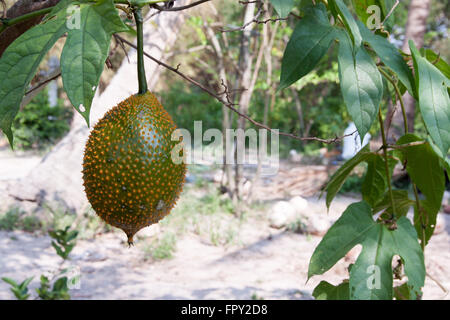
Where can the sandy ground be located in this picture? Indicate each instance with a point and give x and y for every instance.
(267, 262)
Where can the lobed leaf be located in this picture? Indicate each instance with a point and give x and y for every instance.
(326, 291)
(371, 275)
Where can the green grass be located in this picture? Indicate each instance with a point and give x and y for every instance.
(162, 248)
(16, 219)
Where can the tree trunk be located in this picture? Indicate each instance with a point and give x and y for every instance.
(415, 30)
(245, 64)
(58, 176)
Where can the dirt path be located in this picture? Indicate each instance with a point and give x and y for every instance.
(269, 263)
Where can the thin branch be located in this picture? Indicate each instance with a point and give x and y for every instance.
(399, 96)
(159, 8)
(43, 83)
(386, 165)
(228, 102)
(397, 2)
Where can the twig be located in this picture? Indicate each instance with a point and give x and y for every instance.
(397, 2)
(43, 83)
(228, 102)
(159, 8)
(386, 165)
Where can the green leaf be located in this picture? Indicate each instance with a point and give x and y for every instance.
(58, 250)
(361, 84)
(371, 275)
(326, 291)
(425, 169)
(283, 7)
(403, 292)
(19, 63)
(402, 203)
(309, 42)
(339, 177)
(10, 282)
(375, 182)
(25, 283)
(349, 22)
(445, 160)
(60, 284)
(437, 61)
(85, 52)
(390, 56)
(434, 101)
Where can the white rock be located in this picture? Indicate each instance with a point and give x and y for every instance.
(317, 225)
(281, 214)
(300, 204)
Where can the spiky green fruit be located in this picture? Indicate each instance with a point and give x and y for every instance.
(129, 176)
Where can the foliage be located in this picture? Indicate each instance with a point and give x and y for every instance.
(371, 277)
(65, 241)
(60, 291)
(15, 218)
(19, 290)
(162, 248)
(369, 69)
(38, 125)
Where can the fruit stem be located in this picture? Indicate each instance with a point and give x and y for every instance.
(140, 50)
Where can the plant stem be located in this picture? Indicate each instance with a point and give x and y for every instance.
(9, 22)
(386, 165)
(140, 50)
(397, 91)
(419, 210)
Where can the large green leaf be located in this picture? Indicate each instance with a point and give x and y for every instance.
(283, 7)
(18, 65)
(434, 101)
(390, 56)
(371, 275)
(375, 182)
(339, 177)
(361, 83)
(349, 21)
(309, 42)
(326, 291)
(86, 50)
(425, 169)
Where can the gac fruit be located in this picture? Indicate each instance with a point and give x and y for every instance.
(128, 173)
